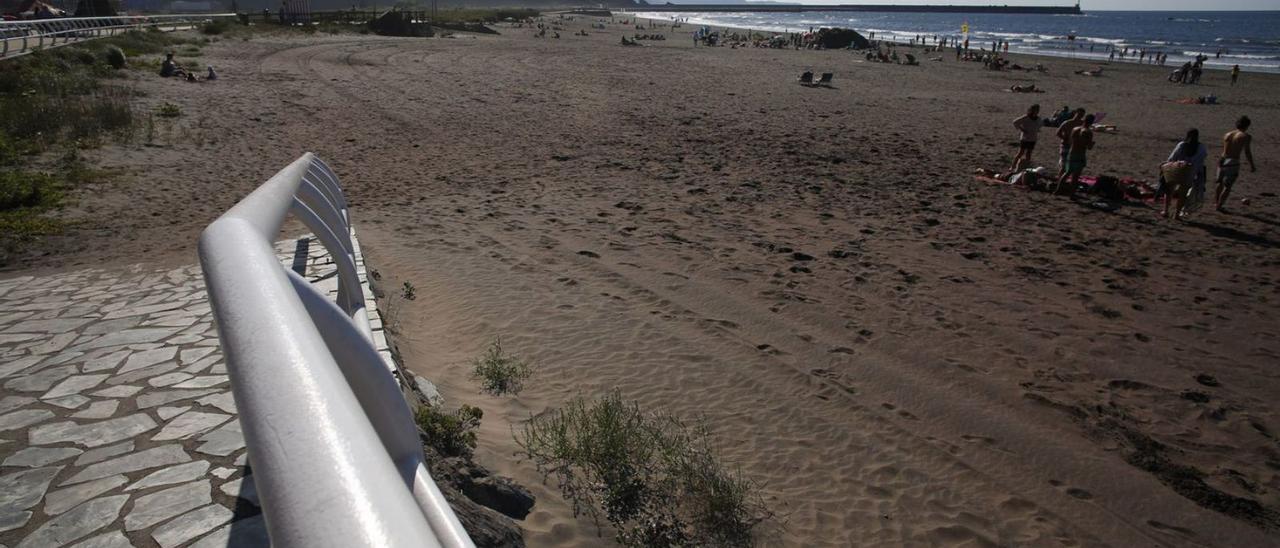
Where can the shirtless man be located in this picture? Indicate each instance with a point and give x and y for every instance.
(1233, 144)
(1064, 136)
(1079, 143)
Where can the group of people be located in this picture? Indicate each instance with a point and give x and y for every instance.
(879, 56)
(1190, 72)
(1183, 174)
(1143, 56)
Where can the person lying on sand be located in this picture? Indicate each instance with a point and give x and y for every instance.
(1029, 88)
(1032, 177)
(1096, 71)
(1202, 100)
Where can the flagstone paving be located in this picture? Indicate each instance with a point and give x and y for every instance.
(117, 422)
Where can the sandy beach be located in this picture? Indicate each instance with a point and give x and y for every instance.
(897, 353)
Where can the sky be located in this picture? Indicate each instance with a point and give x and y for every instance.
(1099, 5)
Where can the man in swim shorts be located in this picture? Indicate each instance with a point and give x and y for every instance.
(1064, 137)
(1079, 143)
(1233, 144)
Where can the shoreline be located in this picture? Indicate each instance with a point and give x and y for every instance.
(1101, 58)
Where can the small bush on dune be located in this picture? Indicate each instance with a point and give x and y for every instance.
(215, 27)
(115, 57)
(143, 42)
(19, 189)
(656, 479)
(9, 152)
(169, 110)
(452, 434)
(500, 373)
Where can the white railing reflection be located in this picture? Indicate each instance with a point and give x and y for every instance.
(336, 456)
(22, 37)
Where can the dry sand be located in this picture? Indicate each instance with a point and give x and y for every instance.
(900, 355)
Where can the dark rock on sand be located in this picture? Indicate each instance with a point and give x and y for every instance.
(841, 39)
(394, 23)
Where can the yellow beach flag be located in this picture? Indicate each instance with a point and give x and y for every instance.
(964, 29)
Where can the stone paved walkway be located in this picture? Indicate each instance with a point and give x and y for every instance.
(117, 423)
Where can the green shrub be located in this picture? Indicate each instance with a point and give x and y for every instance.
(143, 42)
(169, 110)
(500, 373)
(9, 153)
(452, 434)
(20, 189)
(217, 26)
(115, 57)
(19, 226)
(656, 479)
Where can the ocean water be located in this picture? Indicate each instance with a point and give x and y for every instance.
(1248, 39)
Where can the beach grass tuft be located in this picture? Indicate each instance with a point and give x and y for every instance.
(499, 372)
(656, 479)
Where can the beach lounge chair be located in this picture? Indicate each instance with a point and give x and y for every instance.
(825, 80)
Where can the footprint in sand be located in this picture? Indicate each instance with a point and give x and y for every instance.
(1207, 380)
(1017, 506)
(1079, 493)
(1172, 529)
(978, 439)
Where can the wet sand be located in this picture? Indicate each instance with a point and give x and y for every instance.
(897, 353)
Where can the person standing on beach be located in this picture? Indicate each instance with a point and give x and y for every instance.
(1233, 144)
(1028, 127)
(1080, 142)
(1235, 74)
(1191, 151)
(1064, 137)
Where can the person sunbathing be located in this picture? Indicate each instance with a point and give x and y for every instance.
(1097, 71)
(1031, 177)
(1029, 88)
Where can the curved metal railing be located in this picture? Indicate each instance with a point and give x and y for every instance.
(336, 457)
(22, 37)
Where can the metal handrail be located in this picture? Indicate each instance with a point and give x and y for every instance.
(336, 457)
(23, 37)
